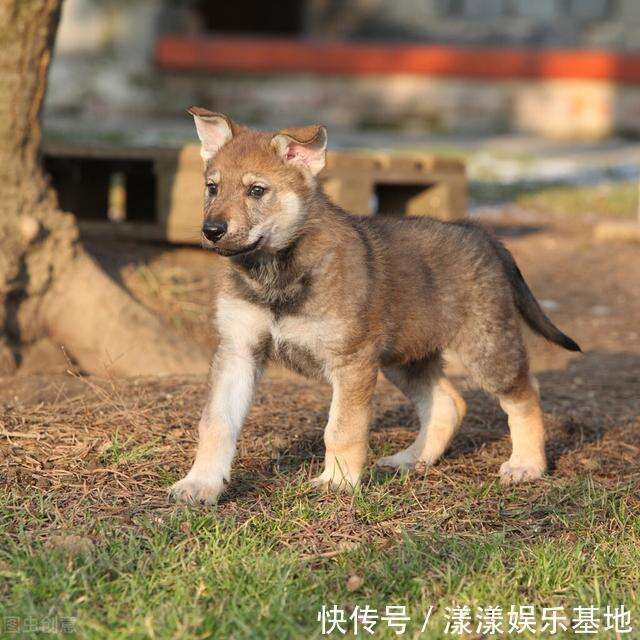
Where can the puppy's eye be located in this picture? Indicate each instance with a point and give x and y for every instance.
(212, 188)
(256, 191)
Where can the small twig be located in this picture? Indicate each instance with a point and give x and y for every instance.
(18, 434)
(326, 554)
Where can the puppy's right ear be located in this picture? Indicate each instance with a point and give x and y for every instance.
(214, 131)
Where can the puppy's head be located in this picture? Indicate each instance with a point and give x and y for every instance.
(256, 183)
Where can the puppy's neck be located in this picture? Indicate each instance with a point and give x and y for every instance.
(252, 264)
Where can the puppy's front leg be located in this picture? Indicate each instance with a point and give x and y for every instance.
(346, 433)
(233, 378)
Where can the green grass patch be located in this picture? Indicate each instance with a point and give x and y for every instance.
(611, 199)
(189, 573)
(122, 451)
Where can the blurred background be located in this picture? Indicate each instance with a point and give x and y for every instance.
(531, 95)
(552, 67)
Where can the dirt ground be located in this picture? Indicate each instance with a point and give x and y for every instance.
(108, 449)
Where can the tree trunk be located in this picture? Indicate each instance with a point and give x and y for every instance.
(49, 286)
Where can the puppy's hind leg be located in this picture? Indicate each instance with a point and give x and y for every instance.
(439, 406)
(498, 361)
(528, 460)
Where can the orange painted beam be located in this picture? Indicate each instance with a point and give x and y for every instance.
(274, 55)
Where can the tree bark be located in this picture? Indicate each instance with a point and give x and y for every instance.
(48, 284)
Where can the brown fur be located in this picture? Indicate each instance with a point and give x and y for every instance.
(340, 297)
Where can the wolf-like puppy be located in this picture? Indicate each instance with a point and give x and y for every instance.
(340, 298)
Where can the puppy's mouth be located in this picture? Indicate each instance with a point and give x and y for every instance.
(248, 249)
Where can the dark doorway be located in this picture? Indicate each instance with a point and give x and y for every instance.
(90, 188)
(285, 17)
(394, 199)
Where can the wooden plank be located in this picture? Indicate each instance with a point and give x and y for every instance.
(434, 186)
(353, 192)
(104, 150)
(182, 209)
(122, 230)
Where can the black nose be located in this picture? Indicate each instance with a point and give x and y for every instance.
(214, 229)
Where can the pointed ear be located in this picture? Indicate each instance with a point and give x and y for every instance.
(214, 131)
(305, 146)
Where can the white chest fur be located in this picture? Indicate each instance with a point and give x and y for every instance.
(245, 326)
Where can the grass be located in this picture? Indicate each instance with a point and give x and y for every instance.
(608, 199)
(195, 574)
(182, 295)
(611, 199)
(121, 451)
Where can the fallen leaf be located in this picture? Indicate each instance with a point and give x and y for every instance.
(74, 545)
(354, 582)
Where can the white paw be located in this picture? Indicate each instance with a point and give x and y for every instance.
(403, 461)
(335, 480)
(196, 490)
(513, 472)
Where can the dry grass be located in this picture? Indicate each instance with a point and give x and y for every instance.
(112, 450)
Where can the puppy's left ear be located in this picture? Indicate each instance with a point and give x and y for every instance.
(302, 146)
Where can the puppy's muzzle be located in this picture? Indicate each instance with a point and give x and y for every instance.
(213, 230)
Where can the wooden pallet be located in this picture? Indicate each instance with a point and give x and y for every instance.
(156, 193)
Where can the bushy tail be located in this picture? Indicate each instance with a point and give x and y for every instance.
(528, 306)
